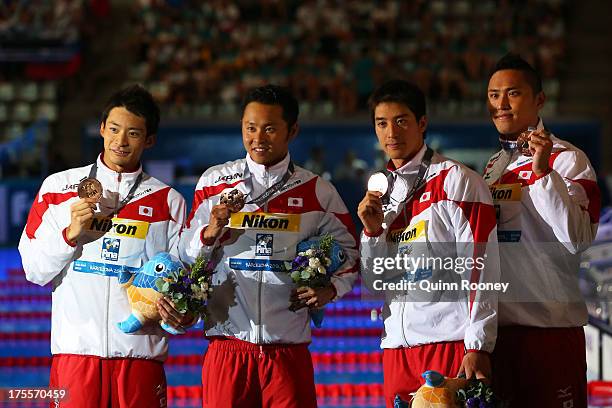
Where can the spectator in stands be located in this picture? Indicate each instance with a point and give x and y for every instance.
(548, 207)
(351, 168)
(316, 163)
(316, 42)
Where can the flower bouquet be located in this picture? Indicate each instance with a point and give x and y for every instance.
(316, 260)
(189, 288)
(477, 394)
(309, 268)
(443, 392)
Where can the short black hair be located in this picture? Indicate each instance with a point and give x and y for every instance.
(399, 91)
(275, 95)
(138, 101)
(515, 62)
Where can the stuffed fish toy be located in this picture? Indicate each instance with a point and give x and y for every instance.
(142, 292)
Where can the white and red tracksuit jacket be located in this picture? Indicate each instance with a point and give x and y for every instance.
(452, 214)
(251, 287)
(544, 224)
(87, 300)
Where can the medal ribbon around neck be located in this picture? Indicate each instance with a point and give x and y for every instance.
(263, 198)
(131, 193)
(393, 177)
(509, 148)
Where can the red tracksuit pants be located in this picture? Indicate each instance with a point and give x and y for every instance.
(94, 382)
(239, 374)
(402, 367)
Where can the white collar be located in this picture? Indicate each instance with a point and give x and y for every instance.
(274, 171)
(105, 171)
(412, 165)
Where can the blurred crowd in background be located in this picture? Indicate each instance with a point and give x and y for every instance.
(199, 57)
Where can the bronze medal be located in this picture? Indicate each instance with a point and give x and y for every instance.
(522, 142)
(90, 188)
(234, 200)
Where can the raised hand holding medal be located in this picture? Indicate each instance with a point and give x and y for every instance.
(83, 210)
(231, 201)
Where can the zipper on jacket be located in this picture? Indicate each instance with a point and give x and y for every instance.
(108, 279)
(116, 212)
(260, 280)
(403, 303)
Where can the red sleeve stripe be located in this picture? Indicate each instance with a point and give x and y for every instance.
(347, 221)
(353, 269)
(204, 193)
(594, 195)
(482, 220)
(40, 207)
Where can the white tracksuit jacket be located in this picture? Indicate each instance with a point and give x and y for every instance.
(87, 300)
(452, 215)
(251, 289)
(544, 225)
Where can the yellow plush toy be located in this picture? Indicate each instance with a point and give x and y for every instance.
(438, 391)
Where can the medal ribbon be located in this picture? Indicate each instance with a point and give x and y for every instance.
(265, 196)
(423, 167)
(130, 195)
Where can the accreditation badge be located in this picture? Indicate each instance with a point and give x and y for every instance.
(115, 244)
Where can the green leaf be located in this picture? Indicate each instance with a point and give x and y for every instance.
(326, 243)
(165, 287)
(159, 284)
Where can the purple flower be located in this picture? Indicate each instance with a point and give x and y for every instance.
(300, 261)
(473, 402)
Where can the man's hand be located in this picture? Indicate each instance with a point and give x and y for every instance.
(370, 212)
(173, 317)
(219, 218)
(309, 297)
(81, 212)
(476, 365)
(541, 147)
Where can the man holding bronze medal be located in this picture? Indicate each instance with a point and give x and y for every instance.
(424, 206)
(85, 227)
(548, 204)
(249, 215)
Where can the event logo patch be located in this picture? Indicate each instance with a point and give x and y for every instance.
(110, 249)
(264, 244)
